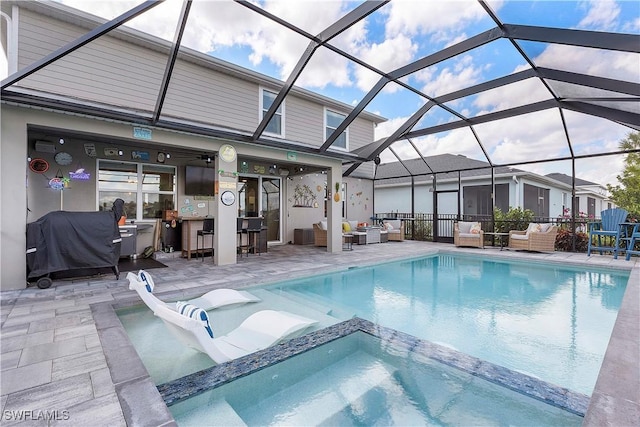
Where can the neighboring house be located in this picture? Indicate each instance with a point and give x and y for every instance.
(89, 105)
(591, 198)
(469, 191)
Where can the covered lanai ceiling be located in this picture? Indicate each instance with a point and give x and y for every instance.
(503, 82)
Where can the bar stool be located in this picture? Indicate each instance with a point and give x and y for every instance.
(207, 230)
(240, 230)
(254, 227)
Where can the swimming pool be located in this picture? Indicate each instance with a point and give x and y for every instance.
(360, 379)
(546, 321)
(549, 321)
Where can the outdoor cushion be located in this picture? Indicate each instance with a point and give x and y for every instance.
(533, 227)
(388, 226)
(465, 227)
(394, 224)
(196, 313)
(346, 227)
(475, 228)
(323, 225)
(353, 224)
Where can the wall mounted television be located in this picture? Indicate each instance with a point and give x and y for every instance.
(199, 181)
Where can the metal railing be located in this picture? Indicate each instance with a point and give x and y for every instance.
(420, 226)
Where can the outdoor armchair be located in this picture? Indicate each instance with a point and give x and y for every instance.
(468, 234)
(394, 229)
(537, 237)
(319, 235)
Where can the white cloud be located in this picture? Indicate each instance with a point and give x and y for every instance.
(430, 17)
(462, 73)
(519, 93)
(392, 53)
(602, 15)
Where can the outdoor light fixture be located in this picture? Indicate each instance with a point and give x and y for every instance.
(120, 153)
(61, 141)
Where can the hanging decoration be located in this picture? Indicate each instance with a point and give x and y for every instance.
(39, 165)
(336, 195)
(59, 182)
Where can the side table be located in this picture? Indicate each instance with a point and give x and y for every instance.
(347, 242)
(500, 237)
(373, 234)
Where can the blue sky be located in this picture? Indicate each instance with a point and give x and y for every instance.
(404, 31)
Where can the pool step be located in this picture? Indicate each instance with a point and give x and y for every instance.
(215, 413)
(334, 309)
(323, 396)
(304, 307)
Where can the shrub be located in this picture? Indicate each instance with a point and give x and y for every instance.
(515, 219)
(564, 241)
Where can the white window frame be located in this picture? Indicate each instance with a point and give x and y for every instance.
(279, 112)
(140, 192)
(324, 130)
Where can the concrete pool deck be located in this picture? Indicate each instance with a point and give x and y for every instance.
(55, 366)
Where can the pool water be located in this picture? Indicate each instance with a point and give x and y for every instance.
(550, 322)
(358, 380)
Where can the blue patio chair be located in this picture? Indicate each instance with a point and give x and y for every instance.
(634, 238)
(608, 227)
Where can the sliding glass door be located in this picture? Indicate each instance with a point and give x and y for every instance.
(262, 196)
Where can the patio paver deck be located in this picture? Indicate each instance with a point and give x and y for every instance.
(53, 360)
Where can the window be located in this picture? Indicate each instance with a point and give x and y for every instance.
(332, 121)
(276, 124)
(146, 189)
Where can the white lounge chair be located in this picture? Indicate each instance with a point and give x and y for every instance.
(263, 329)
(143, 284)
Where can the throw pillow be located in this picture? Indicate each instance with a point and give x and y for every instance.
(533, 228)
(388, 226)
(475, 228)
(323, 225)
(464, 227)
(346, 227)
(195, 313)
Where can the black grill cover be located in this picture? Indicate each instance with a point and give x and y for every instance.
(61, 241)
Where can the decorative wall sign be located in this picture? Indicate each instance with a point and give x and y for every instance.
(58, 183)
(227, 153)
(90, 150)
(140, 155)
(227, 174)
(80, 175)
(39, 165)
(303, 197)
(142, 133)
(110, 152)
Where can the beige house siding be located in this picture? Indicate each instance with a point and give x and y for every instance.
(360, 133)
(304, 121)
(204, 95)
(90, 72)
